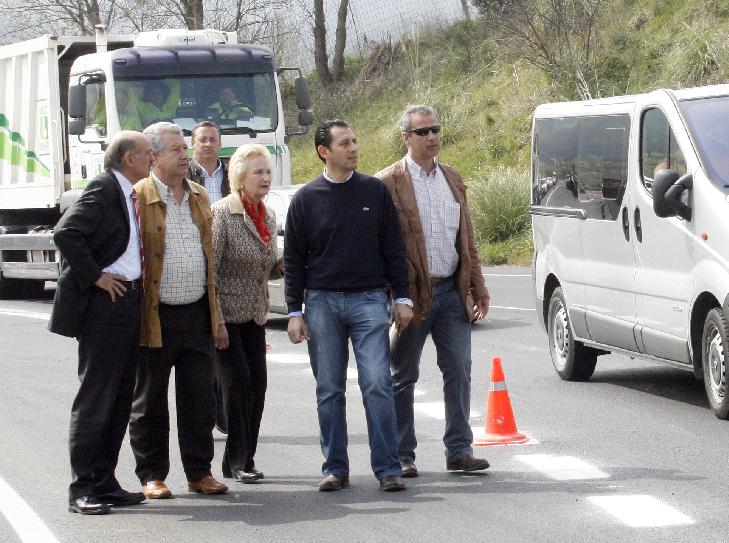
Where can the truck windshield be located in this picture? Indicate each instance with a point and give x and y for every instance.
(708, 119)
(237, 103)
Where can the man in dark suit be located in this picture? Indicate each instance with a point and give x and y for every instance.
(97, 302)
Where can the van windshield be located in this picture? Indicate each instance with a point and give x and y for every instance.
(708, 122)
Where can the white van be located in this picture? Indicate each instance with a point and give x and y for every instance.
(630, 213)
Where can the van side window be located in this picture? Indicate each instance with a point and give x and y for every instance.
(658, 147)
(581, 162)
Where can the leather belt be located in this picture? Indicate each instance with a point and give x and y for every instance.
(435, 280)
(132, 284)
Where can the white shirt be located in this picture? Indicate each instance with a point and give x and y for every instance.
(129, 264)
(440, 216)
(213, 182)
(326, 176)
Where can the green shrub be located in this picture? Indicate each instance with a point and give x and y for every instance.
(499, 204)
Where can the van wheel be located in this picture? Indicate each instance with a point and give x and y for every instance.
(572, 360)
(713, 359)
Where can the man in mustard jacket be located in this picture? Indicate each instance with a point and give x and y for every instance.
(446, 286)
(180, 320)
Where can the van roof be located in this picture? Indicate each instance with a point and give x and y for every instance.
(680, 94)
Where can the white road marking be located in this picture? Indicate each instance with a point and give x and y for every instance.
(29, 527)
(418, 392)
(641, 511)
(288, 358)
(562, 468)
(435, 410)
(512, 308)
(352, 373)
(507, 274)
(26, 314)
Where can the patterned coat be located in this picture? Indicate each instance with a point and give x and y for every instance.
(243, 262)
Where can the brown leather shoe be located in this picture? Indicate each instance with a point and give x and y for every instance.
(207, 485)
(333, 482)
(156, 490)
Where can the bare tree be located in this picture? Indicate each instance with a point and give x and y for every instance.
(341, 41)
(77, 16)
(466, 10)
(321, 59)
(557, 36)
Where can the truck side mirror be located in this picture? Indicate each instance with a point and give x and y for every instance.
(77, 101)
(667, 190)
(77, 127)
(301, 85)
(306, 117)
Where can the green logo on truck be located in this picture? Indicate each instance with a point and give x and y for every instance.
(12, 150)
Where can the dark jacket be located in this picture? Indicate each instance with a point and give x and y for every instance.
(195, 173)
(92, 234)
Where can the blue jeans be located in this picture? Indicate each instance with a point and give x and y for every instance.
(332, 317)
(450, 328)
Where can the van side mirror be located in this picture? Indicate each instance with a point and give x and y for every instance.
(77, 101)
(667, 190)
(77, 127)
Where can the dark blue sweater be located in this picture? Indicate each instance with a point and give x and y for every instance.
(343, 237)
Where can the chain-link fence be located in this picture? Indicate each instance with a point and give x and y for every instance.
(368, 22)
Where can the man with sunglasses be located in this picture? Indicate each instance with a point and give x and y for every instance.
(446, 286)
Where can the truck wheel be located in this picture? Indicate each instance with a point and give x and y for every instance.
(572, 360)
(713, 359)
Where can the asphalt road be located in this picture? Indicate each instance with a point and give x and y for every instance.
(632, 455)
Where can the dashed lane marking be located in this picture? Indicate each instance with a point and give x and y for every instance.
(435, 410)
(29, 527)
(287, 358)
(641, 511)
(27, 314)
(562, 468)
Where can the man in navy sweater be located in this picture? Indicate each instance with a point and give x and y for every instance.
(344, 249)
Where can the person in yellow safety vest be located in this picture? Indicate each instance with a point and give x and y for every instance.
(129, 118)
(160, 101)
(227, 107)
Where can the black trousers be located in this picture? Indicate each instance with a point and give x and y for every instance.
(243, 378)
(107, 363)
(187, 345)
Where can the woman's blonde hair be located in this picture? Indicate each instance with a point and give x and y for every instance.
(238, 166)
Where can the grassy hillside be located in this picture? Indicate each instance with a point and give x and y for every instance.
(484, 88)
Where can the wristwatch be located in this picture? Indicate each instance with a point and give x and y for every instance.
(404, 301)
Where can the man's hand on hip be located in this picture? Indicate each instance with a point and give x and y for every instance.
(112, 284)
(298, 331)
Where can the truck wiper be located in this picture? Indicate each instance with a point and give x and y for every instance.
(239, 130)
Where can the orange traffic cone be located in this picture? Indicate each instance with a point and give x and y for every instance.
(500, 424)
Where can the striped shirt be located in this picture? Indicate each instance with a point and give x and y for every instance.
(440, 217)
(184, 270)
(213, 182)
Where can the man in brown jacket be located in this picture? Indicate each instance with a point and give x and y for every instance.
(446, 286)
(180, 319)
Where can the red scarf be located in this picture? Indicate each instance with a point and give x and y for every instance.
(258, 214)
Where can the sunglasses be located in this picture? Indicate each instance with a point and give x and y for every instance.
(424, 131)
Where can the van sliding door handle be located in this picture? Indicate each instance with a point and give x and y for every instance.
(626, 224)
(636, 223)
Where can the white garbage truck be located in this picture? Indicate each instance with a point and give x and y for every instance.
(62, 98)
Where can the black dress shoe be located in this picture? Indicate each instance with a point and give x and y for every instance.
(333, 482)
(392, 483)
(409, 470)
(120, 497)
(467, 463)
(248, 477)
(87, 505)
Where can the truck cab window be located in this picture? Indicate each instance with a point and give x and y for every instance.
(96, 108)
(658, 147)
